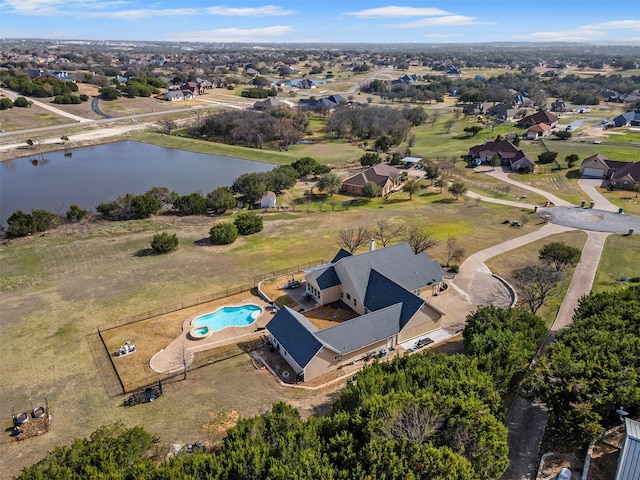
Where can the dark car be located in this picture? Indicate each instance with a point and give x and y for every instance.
(149, 394)
(293, 284)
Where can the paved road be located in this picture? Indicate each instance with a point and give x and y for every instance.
(601, 203)
(95, 106)
(592, 219)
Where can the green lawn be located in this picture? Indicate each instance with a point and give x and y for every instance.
(619, 259)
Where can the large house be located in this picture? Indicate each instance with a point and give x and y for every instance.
(540, 130)
(382, 287)
(509, 155)
(628, 118)
(623, 175)
(269, 103)
(540, 116)
(382, 174)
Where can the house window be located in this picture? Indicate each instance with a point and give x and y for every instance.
(348, 296)
(355, 302)
(336, 357)
(366, 310)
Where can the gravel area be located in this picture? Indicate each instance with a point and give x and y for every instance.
(592, 219)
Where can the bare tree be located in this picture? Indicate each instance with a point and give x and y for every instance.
(385, 232)
(352, 239)
(167, 124)
(536, 285)
(410, 422)
(454, 253)
(419, 240)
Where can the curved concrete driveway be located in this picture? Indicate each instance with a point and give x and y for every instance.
(600, 202)
(503, 175)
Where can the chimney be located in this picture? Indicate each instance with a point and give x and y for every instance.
(372, 245)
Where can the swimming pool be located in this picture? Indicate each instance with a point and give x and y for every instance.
(225, 317)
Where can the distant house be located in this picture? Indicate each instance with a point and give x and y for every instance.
(509, 155)
(539, 117)
(522, 101)
(173, 95)
(383, 175)
(503, 112)
(193, 87)
(268, 200)
(629, 459)
(628, 118)
(452, 70)
(540, 130)
(407, 79)
(559, 106)
(382, 287)
(622, 175)
(329, 102)
(269, 103)
(476, 108)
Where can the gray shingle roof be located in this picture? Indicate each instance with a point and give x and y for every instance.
(296, 334)
(398, 263)
(362, 331)
(382, 292)
(341, 254)
(326, 278)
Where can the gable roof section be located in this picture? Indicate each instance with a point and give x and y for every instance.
(399, 264)
(326, 278)
(379, 174)
(362, 331)
(382, 293)
(540, 116)
(504, 148)
(629, 168)
(296, 334)
(341, 254)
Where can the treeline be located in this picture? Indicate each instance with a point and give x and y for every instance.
(419, 416)
(280, 127)
(134, 87)
(40, 88)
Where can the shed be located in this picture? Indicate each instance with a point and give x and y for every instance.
(629, 460)
(268, 200)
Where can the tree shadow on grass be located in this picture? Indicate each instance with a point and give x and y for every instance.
(202, 242)
(573, 174)
(145, 252)
(445, 200)
(429, 194)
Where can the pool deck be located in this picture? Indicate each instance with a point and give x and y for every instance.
(171, 359)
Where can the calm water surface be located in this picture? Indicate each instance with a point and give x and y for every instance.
(99, 174)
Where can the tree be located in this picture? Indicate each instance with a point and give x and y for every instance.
(371, 190)
(281, 178)
(457, 188)
(304, 166)
(251, 186)
(75, 213)
(6, 103)
(162, 195)
(223, 233)
(109, 93)
(454, 252)
(440, 183)
(547, 157)
(164, 242)
(419, 239)
(19, 224)
(495, 161)
(563, 134)
(351, 239)
(22, 102)
(166, 125)
(516, 140)
(432, 172)
(248, 223)
(536, 285)
(571, 160)
(385, 232)
(221, 199)
(504, 340)
(559, 255)
(191, 204)
(144, 206)
(411, 187)
(474, 130)
(329, 182)
(383, 144)
(370, 159)
(591, 369)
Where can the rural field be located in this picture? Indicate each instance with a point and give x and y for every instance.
(56, 288)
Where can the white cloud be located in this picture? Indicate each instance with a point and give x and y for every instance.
(397, 12)
(447, 21)
(53, 7)
(442, 35)
(584, 33)
(142, 13)
(235, 34)
(621, 24)
(266, 11)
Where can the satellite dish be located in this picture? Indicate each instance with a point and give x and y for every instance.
(622, 413)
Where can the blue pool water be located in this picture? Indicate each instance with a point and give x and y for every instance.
(229, 317)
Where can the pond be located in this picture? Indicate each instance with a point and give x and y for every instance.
(53, 181)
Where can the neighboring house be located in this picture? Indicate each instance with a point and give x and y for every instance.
(559, 106)
(406, 79)
(539, 117)
(383, 175)
(121, 79)
(173, 95)
(628, 118)
(508, 152)
(268, 200)
(452, 70)
(476, 108)
(193, 87)
(332, 101)
(629, 459)
(382, 286)
(522, 101)
(503, 112)
(269, 103)
(622, 175)
(542, 130)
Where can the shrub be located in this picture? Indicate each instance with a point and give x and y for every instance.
(223, 233)
(192, 204)
(371, 190)
(6, 103)
(84, 97)
(453, 269)
(248, 223)
(144, 206)
(21, 102)
(75, 213)
(164, 242)
(21, 224)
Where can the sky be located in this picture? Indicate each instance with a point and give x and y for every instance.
(325, 21)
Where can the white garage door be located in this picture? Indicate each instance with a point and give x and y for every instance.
(593, 172)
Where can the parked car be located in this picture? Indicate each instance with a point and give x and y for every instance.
(292, 284)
